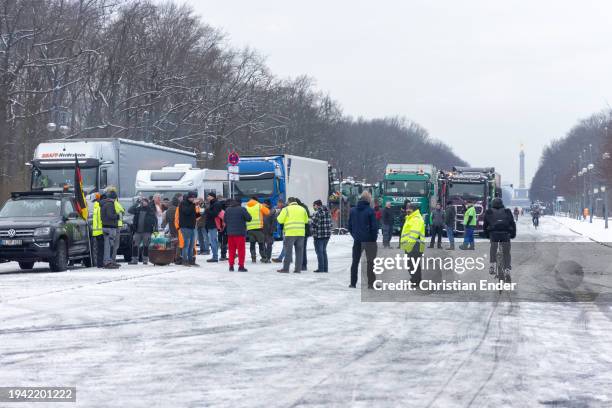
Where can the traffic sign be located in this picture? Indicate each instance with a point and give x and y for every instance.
(233, 158)
(233, 176)
(233, 169)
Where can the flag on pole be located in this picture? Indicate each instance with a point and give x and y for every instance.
(79, 194)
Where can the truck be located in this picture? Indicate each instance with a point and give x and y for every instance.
(416, 183)
(478, 185)
(280, 177)
(181, 178)
(103, 162)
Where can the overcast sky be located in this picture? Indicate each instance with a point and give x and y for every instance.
(483, 76)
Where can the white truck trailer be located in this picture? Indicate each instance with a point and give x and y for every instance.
(103, 162)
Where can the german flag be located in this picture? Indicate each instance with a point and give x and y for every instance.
(79, 195)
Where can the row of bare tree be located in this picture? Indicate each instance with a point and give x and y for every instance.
(156, 72)
(561, 170)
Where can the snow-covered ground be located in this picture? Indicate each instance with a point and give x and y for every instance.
(193, 337)
(595, 230)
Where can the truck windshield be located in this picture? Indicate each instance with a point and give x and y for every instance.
(404, 188)
(254, 187)
(59, 176)
(31, 207)
(473, 191)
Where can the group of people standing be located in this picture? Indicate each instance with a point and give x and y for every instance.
(222, 228)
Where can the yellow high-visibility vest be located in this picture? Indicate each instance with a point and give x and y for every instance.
(413, 232)
(255, 212)
(294, 219)
(96, 229)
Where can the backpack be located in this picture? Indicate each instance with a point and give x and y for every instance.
(499, 225)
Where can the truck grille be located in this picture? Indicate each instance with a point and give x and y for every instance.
(16, 233)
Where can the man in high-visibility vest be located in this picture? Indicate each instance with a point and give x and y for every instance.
(412, 240)
(96, 232)
(255, 232)
(293, 218)
(469, 223)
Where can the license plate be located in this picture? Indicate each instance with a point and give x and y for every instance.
(11, 242)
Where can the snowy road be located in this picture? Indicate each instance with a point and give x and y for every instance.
(179, 337)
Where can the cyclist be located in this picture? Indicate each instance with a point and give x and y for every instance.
(535, 216)
(500, 228)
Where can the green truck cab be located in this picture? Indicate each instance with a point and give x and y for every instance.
(409, 182)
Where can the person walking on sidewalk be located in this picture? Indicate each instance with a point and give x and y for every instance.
(145, 223)
(110, 220)
(188, 214)
(255, 231)
(364, 229)
(436, 221)
(321, 232)
(387, 225)
(450, 214)
(293, 218)
(236, 218)
(269, 227)
(469, 224)
(212, 212)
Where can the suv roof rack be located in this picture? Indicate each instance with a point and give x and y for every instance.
(41, 193)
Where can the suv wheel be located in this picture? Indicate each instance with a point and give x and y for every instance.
(59, 263)
(26, 265)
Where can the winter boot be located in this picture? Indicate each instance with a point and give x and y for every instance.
(439, 246)
(254, 258)
(492, 268)
(472, 246)
(451, 247)
(431, 245)
(463, 246)
(145, 260)
(242, 269)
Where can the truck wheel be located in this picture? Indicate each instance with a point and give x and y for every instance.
(26, 265)
(59, 263)
(87, 262)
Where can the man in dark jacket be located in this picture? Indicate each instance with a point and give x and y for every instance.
(321, 232)
(145, 223)
(269, 226)
(364, 229)
(188, 215)
(436, 221)
(450, 215)
(212, 212)
(387, 224)
(500, 228)
(110, 222)
(236, 218)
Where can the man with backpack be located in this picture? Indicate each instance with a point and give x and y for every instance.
(500, 228)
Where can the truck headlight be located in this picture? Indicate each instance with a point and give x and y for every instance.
(42, 232)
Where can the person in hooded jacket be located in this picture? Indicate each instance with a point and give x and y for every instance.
(321, 232)
(188, 213)
(363, 228)
(145, 224)
(500, 228)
